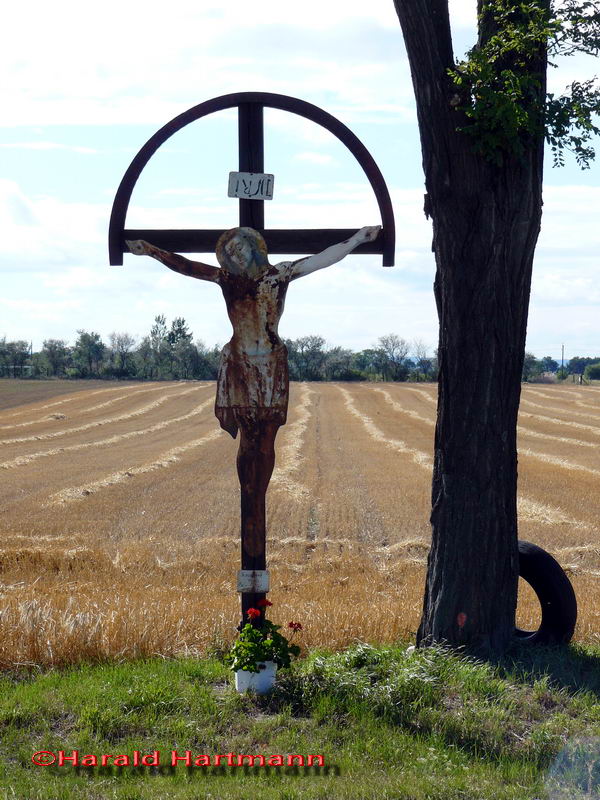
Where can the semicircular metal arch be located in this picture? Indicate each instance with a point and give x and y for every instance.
(250, 105)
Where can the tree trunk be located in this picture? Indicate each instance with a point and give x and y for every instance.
(486, 219)
(485, 242)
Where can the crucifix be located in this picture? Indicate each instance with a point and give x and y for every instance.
(252, 382)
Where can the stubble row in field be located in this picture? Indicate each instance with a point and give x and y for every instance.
(15, 392)
(120, 515)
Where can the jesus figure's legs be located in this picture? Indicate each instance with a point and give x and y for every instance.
(255, 462)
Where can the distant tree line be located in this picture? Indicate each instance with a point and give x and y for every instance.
(539, 369)
(169, 353)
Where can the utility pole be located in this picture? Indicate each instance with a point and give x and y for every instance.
(562, 358)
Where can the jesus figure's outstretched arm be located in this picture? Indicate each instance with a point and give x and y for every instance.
(195, 269)
(335, 253)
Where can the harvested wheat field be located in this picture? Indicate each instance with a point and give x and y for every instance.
(120, 519)
(18, 391)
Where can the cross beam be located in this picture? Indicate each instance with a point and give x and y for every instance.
(279, 240)
(251, 159)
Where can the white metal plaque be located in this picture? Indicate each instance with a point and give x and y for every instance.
(251, 185)
(253, 580)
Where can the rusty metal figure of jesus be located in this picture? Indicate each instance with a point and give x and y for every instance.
(253, 383)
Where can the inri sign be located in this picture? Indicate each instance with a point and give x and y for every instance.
(251, 185)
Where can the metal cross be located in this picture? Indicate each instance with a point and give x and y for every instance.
(251, 159)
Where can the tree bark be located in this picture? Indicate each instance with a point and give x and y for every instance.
(486, 219)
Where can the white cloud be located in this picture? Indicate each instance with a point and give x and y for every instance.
(71, 239)
(463, 14)
(77, 289)
(570, 286)
(314, 158)
(551, 326)
(129, 63)
(119, 63)
(40, 230)
(567, 260)
(146, 64)
(47, 146)
(38, 311)
(561, 201)
(75, 280)
(215, 214)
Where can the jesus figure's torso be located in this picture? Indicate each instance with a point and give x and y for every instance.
(253, 370)
(255, 306)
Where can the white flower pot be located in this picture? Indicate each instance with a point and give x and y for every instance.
(260, 682)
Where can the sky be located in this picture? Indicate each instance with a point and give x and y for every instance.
(86, 87)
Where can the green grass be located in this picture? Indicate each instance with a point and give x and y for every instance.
(389, 724)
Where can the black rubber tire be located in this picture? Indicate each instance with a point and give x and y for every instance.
(555, 593)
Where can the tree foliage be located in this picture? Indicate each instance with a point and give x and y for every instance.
(577, 364)
(168, 353)
(88, 353)
(57, 356)
(394, 352)
(497, 84)
(592, 371)
(13, 357)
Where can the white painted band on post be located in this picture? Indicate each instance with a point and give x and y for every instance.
(253, 581)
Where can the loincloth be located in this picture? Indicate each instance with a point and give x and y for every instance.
(248, 417)
(252, 388)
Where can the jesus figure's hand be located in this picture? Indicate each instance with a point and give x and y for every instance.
(369, 233)
(139, 247)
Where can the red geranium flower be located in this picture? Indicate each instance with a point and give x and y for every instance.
(295, 626)
(264, 603)
(253, 613)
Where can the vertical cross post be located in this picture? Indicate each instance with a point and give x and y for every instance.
(252, 215)
(251, 159)
(253, 544)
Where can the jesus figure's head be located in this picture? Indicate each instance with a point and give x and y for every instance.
(242, 251)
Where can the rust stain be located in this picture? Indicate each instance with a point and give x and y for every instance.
(253, 381)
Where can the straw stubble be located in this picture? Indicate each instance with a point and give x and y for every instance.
(127, 544)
